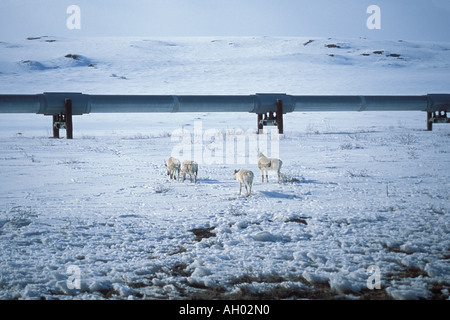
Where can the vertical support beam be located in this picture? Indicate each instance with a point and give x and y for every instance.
(429, 123)
(55, 129)
(260, 125)
(280, 116)
(69, 125)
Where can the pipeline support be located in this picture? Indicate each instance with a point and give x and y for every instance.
(64, 121)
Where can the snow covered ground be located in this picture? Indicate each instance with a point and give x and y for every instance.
(365, 198)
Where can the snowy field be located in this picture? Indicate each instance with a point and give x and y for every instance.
(365, 197)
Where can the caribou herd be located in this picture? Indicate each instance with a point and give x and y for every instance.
(174, 168)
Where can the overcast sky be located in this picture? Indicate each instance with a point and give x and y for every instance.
(424, 20)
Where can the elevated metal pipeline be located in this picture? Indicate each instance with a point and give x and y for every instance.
(54, 103)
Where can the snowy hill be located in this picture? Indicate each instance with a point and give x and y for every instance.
(224, 66)
(365, 197)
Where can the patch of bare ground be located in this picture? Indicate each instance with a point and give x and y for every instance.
(202, 233)
(414, 272)
(277, 290)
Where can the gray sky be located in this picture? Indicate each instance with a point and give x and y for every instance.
(424, 20)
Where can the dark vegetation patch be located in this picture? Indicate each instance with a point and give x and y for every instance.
(202, 233)
(39, 38)
(270, 287)
(178, 251)
(73, 56)
(332, 45)
(301, 220)
(408, 272)
(415, 272)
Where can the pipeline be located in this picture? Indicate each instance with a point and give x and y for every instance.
(54, 103)
(269, 107)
